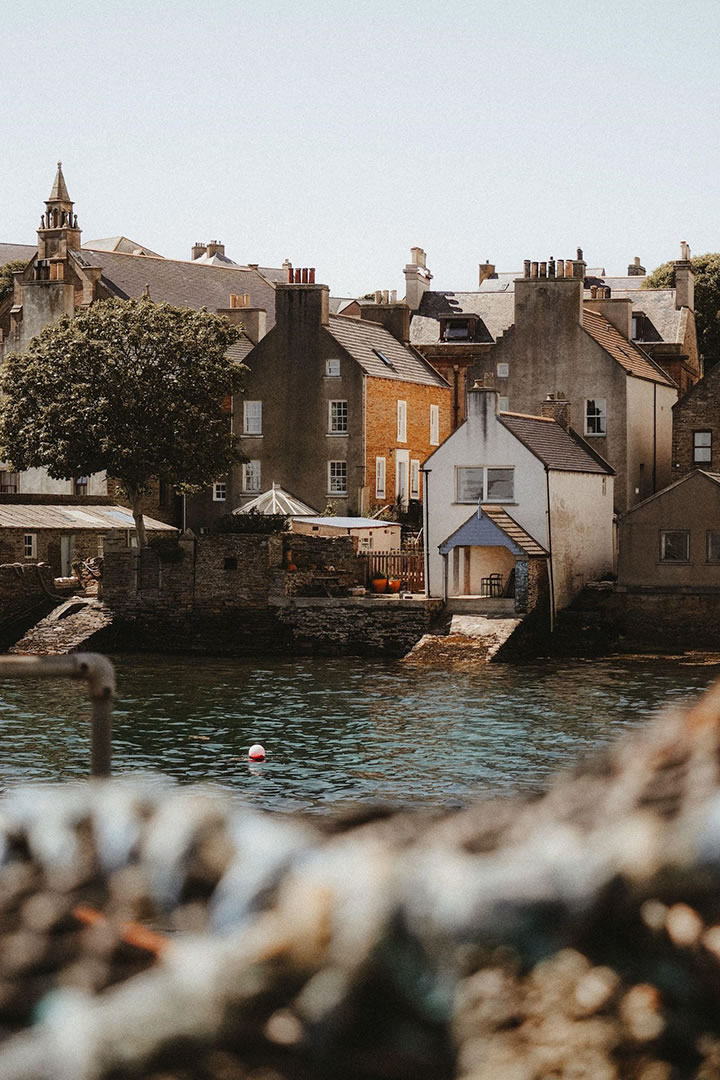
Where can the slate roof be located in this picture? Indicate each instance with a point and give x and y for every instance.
(123, 244)
(364, 339)
(36, 517)
(184, 284)
(496, 311)
(625, 352)
(500, 517)
(553, 445)
(16, 253)
(714, 477)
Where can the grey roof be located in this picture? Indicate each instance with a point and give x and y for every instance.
(626, 353)
(276, 501)
(16, 253)
(365, 340)
(184, 284)
(659, 307)
(714, 477)
(216, 260)
(496, 311)
(73, 518)
(553, 445)
(59, 191)
(242, 347)
(123, 244)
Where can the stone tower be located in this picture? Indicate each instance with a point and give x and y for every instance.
(58, 232)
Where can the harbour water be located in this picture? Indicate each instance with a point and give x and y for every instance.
(343, 731)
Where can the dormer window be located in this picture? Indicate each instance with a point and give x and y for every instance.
(461, 327)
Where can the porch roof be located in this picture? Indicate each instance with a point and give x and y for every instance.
(492, 526)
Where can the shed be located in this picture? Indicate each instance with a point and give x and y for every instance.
(371, 534)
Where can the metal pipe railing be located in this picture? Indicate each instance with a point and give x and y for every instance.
(100, 676)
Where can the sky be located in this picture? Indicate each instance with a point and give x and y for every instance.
(339, 135)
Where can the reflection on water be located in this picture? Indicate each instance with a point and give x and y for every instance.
(343, 730)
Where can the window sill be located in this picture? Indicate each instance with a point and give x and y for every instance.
(336, 434)
(484, 502)
(336, 494)
(595, 435)
(674, 562)
(247, 435)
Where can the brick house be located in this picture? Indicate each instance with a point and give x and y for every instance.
(696, 427)
(337, 409)
(455, 329)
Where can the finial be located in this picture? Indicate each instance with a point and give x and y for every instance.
(59, 164)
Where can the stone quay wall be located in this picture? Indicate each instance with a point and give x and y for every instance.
(232, 594)
(23, 598)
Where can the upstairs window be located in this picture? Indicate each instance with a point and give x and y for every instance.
(713, 547)
(337, 477)
(332, 367)
(457, 330)
(219, 491)
(482, 483)
(595, 416)
(80, 485)
(380, 477)
(337, 417)
(252, 417)
(702, 447)
(8, 482)
(434, 425)
(414, 479)
(251, 477)
(402, 421)
(503, 371)
(675, 545)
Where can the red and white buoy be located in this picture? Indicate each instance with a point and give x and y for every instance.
(256, 752)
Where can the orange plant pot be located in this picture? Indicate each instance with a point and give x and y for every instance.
(393, 585)
(379, 584)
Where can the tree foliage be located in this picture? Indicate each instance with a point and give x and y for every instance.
(707, 300)
(6, 276)
(132, 388)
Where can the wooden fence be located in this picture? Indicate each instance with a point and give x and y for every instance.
(408, 567)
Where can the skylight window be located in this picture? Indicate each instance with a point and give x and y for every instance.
(383, 357)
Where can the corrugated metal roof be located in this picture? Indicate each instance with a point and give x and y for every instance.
(553, 445)
(625, 352)
(35, 517)
(352, 522)
(368, 342)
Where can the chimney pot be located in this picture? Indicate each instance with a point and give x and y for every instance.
(526, 268)
(593, 292)
(311, 275)
(533, 270)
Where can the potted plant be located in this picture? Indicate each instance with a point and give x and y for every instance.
(379, 584)
(393, 585)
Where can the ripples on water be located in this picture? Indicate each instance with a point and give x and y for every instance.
(339, 731)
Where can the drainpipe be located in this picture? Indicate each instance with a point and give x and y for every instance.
(445, 579)
(654, 473)
(550, 551)
(364, 448)
(426, 528)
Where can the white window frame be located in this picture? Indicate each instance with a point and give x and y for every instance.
(251, 477)
(252, 418)
(483, 496)
(338, 417)
(414, 478)
(503, 371)
(434, 425)
(337, 477)
(598, 420)
(380, 477)
(401, 420)
(702, 451)
(30, 545)
(332, 367)
(503, 403)
(219, 491)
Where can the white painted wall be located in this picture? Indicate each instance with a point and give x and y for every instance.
(649, 431)
(38, 482)
(581, 506)
(481, 440)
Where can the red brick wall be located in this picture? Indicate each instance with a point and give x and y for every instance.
(381, 429)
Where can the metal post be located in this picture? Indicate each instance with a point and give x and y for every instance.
(100, 676)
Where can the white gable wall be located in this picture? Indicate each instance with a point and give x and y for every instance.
(581, 506)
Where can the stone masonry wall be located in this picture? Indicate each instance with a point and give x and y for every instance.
(697, 411)
(23, 598)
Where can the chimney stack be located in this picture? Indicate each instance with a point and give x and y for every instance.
(301, 306)
(684, 279)
(198, 250)
(557, 407)
(417, 278)
(485, 271)
(215, 248)
(635, 269)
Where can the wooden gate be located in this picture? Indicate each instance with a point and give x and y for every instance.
(408, 567)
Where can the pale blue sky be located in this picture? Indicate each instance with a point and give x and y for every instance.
(339, 135)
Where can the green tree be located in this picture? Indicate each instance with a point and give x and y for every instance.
(707, 300)
(132, 388)
(6, 277)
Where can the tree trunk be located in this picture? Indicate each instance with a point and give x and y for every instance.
(134, 500)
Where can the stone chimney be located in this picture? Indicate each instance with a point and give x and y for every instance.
(557, 407)
(548, 297)
(252, 319)
(417, 278)
(301, 306)
(485, 271)
(198, 250)
(616, 310)
(481, 408)
(635, 269)
(393, 316)
(215, 248)
(684, 279)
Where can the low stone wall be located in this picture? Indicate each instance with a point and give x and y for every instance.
(23, 598)
(233, 595)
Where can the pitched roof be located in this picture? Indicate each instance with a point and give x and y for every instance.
(59, 191)
(713, 477)
(184, 284)
(73, 518)
(496, 311)
(276, 501)
(553, 445)
(16, 253)
(501, 518)
(625, 352)
(368, 342)
(483, 527)
(122, 244)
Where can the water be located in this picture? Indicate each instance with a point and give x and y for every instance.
(342, 731)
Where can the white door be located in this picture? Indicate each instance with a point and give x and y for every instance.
(66, 554)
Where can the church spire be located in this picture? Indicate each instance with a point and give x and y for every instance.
(59, 191)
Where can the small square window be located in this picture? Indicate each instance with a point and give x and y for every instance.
(337, 477)
(332, 367)
(219, 492)
(503, 370)
(230, 563)
(702, 447)
(503, 404)
(675, 545)
(30, 545)
(470, 484)
(80, 485)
